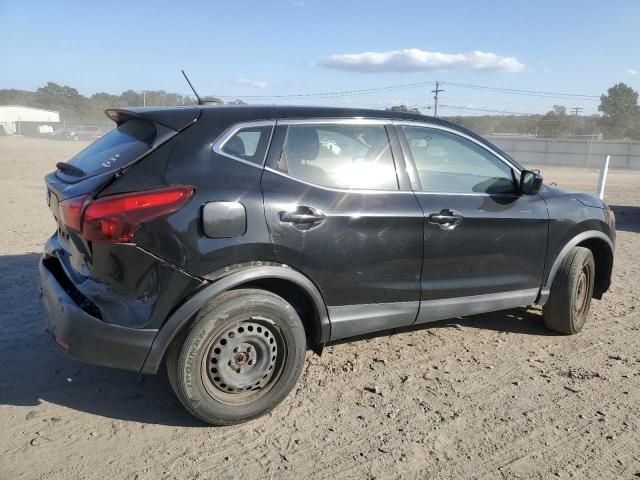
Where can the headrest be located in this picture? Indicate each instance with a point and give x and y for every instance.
(235, 145)
(302, 144)
(436, 151)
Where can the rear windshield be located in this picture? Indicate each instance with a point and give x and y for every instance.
(117, 148)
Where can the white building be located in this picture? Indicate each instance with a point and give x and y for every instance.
(15, 119)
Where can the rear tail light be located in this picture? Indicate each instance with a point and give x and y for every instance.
(115, 218)
(71, 212)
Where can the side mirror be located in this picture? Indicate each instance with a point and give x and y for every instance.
(530, 182)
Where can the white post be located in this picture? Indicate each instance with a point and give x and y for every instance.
(602, 180)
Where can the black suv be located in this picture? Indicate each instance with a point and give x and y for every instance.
(224, 241)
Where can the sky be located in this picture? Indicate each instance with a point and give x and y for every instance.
(262, 50)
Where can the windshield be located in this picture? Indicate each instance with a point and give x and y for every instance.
(117, 148)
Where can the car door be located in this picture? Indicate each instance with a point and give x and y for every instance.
(338, 212)
(484, 243)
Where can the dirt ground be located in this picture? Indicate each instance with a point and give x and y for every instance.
(489, 396)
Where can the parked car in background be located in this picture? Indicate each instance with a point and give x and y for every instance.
(225, 241)
(82, 132)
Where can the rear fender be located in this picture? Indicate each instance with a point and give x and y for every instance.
(181, 317)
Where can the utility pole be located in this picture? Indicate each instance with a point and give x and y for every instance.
(435, 98)
(576, 111)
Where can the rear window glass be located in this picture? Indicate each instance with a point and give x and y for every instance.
(117, 148)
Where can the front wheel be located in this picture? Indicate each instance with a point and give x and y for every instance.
(571, 292)
(241, 357)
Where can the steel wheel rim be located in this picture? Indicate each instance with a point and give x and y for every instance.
(583, 293)
(243, 361)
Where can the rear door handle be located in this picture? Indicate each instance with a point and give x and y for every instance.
(302, 217)
(446, 219)
(289, 217)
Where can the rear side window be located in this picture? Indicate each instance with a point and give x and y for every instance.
(117, 148)
(341, 156)
(249, 144)
(449, 163)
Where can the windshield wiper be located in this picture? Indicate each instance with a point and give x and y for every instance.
(70, 169)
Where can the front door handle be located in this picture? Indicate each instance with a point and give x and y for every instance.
(303, 217)
(446, 219)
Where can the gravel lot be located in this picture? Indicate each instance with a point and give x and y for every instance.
(489, 396)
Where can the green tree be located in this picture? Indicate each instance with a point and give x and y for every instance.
(555, 123)
(99, 102)
(212, 99)
(154, 98)
(19, 97)
(75, 107)
(620, 112)
(131, 98)
(64, 99)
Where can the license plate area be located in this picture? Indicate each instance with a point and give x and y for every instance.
(64, 237)
(52, 203)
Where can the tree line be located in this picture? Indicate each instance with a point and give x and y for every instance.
(619, 118)
(74, 107)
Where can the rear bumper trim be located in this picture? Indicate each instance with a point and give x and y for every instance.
(86, 337)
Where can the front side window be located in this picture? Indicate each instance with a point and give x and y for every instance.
(249, 144)
(340, 156)
(449, 163)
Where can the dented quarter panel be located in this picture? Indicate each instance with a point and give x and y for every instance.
(129, 286)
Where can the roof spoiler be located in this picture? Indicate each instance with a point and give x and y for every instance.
(175, 118)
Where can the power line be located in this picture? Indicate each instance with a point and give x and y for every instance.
(534, 93)
(488, 110)
(504, 112)
(342, 93)
(407, 86)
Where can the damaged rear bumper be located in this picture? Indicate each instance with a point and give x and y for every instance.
(84, 336)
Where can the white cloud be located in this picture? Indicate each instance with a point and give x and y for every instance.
(416, 60)
(252, 83)
(299, 3)
(632, 71)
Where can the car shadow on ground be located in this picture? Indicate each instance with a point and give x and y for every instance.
(35, 371)
(627, 218)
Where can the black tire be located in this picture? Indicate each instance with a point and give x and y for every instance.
(240, 357)
(568, 306)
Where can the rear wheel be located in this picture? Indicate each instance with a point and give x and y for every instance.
(242, 355)
(570, 299)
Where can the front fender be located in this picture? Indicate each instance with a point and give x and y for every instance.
(578, 239)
